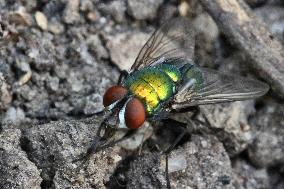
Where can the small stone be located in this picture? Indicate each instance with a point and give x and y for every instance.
(21, 16)
(25, 68)
(14, 115)
(41, 20)
(143, 9)
(124, 48)
(204, 24)
(96, 46)
(93, 16)
(75, 82)
(53, 83)
(116, 9)
(71, 13)
(94, 104)
(55, 27)
(177, 163)
(273, 17)
(138, 139)
(183, 8)
(86, 5)
(5, 94)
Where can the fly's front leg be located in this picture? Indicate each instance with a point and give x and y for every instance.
(122, 75)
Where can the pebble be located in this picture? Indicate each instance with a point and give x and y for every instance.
(20, 16)
(41, 20)
(143, 9)
(5, 93)
(124, 48)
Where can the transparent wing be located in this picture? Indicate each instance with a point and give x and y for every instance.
(215, 87)
(174, 39)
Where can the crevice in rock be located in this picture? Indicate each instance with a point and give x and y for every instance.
(118, 180)
(25, 145)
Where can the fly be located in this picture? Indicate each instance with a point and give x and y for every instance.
(164, 79)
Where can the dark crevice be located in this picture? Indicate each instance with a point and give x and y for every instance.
(118, 180)
(25, 145)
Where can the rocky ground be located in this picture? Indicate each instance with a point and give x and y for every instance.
(58, 57)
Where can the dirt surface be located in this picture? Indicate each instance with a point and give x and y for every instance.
(57, 58)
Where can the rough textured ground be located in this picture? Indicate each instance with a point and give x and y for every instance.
(58, 57)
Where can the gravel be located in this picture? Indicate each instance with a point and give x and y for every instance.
(57, 58)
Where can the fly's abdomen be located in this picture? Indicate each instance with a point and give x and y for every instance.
(152, 86)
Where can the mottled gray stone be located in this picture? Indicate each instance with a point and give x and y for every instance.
(267, 148)
(143, 9)
(207, 166)
(247, 176)
(124, 48)
(230, 122)
(16, 170)
(54, 147)
(5, 94)
(273, 16)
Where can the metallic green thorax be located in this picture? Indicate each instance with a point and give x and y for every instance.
(154, 85)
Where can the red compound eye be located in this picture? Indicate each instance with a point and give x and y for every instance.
(135, 114)
(113, 94)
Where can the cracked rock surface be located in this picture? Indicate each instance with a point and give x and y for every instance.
(16, 170)
(57, 58)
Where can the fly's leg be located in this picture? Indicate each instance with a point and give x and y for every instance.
(122, 75)
(128, 135)
(143, 138)
(170, 148)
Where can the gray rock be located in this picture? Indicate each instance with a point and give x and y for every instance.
(207, 34)
(143, 9)
(267, 148)
(93, 104)
(273, 16)
(204, 162)
(145, 172)
(71, 13)
(14, 116)
(52, 83)
(230, 122)
(116, 9)
(124, 48)
(96, 46)
(54, 147)
(40, 51)
(208, 164)
(16, 170)
(247, 176)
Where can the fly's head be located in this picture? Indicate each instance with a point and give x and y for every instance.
(122, 109)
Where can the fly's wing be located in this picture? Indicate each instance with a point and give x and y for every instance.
(206, 86)
(174, 40)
